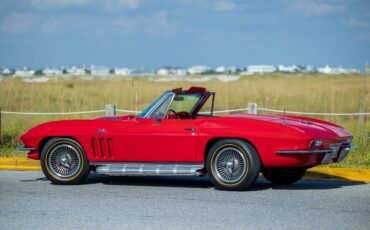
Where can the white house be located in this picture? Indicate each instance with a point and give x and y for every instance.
(163, 72)
(199, 69)
(336, 70)
(100, 71)
(52, 72)
(6, 71)
(261, 69)
(288, 69)
(122, 71)
(307, 69)
(24, 72)
(76, 71)
(224, 69)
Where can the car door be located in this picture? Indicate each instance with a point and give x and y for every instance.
(161, 140)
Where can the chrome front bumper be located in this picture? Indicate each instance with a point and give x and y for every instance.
(335, 151)
(24, 148)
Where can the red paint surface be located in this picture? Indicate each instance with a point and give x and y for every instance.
(131, 139)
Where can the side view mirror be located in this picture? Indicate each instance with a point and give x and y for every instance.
(157, 120)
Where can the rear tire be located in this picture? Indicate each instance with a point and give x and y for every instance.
(64, 161)
(283, 175)
(233, 164)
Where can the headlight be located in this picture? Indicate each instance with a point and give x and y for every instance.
(316, 144)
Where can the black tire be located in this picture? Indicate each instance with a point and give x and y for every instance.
(64, 161)
(283, 175)
(233, 164)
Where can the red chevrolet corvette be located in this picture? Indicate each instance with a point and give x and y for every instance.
(173, 136)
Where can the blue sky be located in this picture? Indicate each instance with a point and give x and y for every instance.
(155, 33)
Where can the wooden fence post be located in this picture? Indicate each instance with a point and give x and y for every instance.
(110, 110)
(252, 108)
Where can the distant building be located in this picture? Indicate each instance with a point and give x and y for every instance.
(100, 71)
(224, 69)
(307, 69)
(6, 71)
(122, 71)
(288, 69)
(75, 71)
(24, 72)
(52, 72)
(336, 70)
(165, 71)
(199, 69)
(142, 72)
(261, 69)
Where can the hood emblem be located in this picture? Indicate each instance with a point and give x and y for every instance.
(101, 131)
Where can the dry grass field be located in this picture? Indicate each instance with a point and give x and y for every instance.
(317, 93)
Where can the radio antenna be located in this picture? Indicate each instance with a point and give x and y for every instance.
(284, 123)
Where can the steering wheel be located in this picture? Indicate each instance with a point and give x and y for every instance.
(169, 113)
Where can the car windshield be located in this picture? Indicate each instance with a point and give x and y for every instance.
(170, 101)
(185, 102)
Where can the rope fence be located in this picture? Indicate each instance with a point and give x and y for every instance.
(47, 113)
(252, 109)
(310, 113)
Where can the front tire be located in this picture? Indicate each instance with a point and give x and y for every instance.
(283, 176)
(64, 161)
(233, 164)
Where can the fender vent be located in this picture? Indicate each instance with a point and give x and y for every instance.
(102, 148)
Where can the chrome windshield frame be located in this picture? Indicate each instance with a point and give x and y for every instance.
(158, 103)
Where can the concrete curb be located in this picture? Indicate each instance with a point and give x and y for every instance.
(346, 174)
(19, 164)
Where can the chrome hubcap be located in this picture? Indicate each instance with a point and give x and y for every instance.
(64, 160)
(230, 165)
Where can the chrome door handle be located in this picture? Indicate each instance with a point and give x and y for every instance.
(190, 129)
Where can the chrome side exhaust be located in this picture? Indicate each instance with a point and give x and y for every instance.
(149, 169)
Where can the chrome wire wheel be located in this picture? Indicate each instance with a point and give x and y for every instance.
(64, 160)
(230, 165)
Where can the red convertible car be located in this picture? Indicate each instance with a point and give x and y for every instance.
(174, 137)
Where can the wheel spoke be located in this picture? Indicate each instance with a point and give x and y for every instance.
(64, 160)
(230, 164)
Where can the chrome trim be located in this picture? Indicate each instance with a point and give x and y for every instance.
(324, 151)
(165, 95)
(321, 151)
(335, 149)
(24, 148)
(343, 153)
(148, 169)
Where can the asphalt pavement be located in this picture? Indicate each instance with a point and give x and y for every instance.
(29, 201)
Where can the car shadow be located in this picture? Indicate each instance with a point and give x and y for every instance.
(205, 183)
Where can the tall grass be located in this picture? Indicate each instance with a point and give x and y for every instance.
(339, 94)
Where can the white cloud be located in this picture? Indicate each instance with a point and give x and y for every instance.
(70, 22)
(105, 4)
(120, 4)
(43, 4)
(18, 23)
(224, 6)
(126, 24)
(357, 23)
(158, 24)
(155, 24)
(316, 7)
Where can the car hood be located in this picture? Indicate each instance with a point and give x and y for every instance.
(306, 125)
